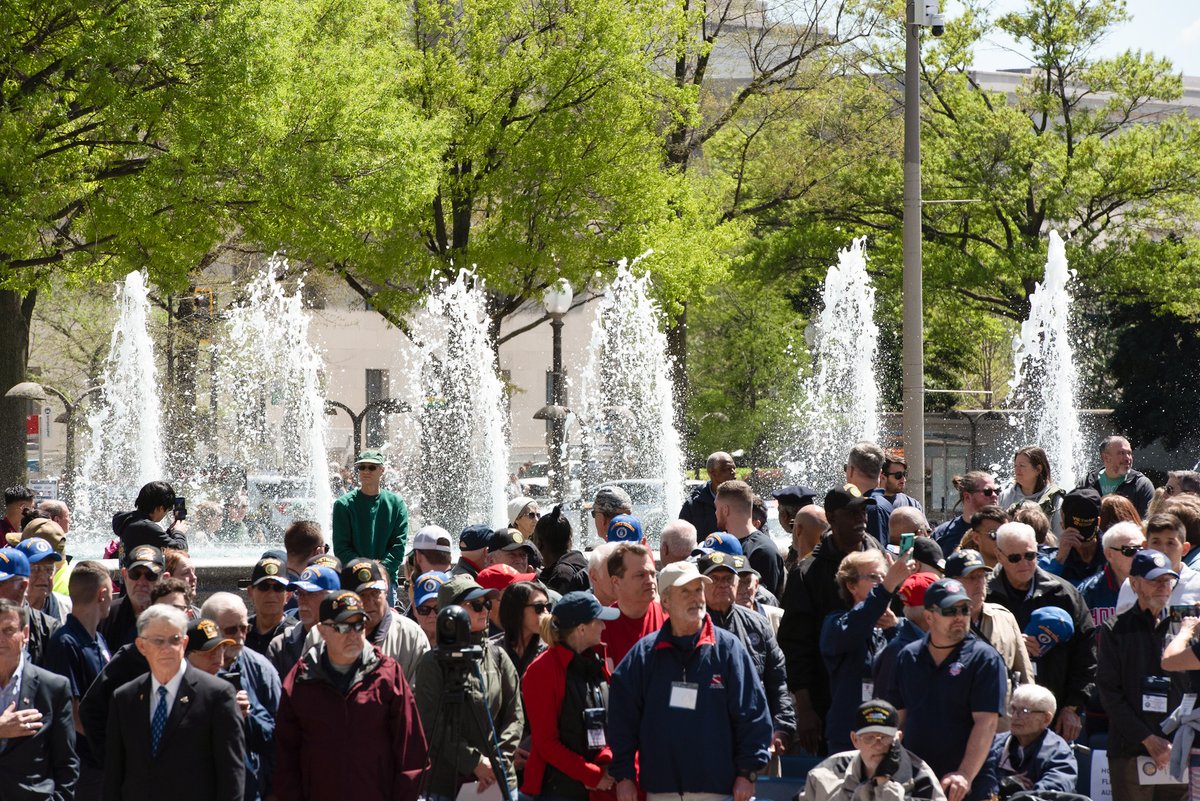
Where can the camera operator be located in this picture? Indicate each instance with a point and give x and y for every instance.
(566, 697)
(459, 745)
(143, 526)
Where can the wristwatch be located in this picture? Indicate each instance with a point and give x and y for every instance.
(749, 775)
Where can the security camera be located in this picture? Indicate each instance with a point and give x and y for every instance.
(937, 24)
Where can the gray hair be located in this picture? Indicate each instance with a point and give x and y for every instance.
(53, 507)
(1034, 696)
(1189, 480)
(1109, 440)
(867, 458)
(20, 610)
(678, 536)
(1125, 528)
(611, 501)
(598, 558)
(168, 614)
(1014, 533)
(220, 602)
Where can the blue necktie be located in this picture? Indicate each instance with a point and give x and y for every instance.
(159, 722)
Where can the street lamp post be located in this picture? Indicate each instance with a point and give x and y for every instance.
(385, 405)
(31, 390)
(557, 301)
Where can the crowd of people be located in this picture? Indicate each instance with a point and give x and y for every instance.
(966, 661)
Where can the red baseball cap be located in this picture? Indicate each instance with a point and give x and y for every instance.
(498, 577)
(913, 588)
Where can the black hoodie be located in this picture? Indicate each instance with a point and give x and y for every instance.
(136, 528)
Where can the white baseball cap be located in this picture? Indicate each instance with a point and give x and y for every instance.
(432, 538)
(677, 574)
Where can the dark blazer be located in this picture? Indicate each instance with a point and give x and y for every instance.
(43, 766)
(202, 756)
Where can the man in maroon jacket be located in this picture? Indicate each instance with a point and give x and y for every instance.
(347, 704)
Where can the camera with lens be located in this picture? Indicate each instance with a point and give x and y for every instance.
(937, 24)
(454, 636)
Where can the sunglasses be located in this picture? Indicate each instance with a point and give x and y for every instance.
(272, 586)
(366, 468)
(899, 474)
(991, 492)
(532, 515)
(1127, 550)
(142, 574)
(346, 628)
(426, 611)
(540, 607)
(955, 611)
(1015, 558)
(479, 606)
(233, 631)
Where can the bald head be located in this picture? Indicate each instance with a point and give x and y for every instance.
(676, 542)
(720, 468)
(906, 520)
(807, 528)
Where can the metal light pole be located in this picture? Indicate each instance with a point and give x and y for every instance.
(31, 390)
(557, 300)
(386, 405)
(920, 13)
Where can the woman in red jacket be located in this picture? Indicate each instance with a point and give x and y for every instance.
(566, 702)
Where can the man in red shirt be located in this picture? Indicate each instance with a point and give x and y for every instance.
(632, 573)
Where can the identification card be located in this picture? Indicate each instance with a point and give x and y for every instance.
(1154, 694)
(683, 694)
(868, 691)
(593, 722)
(1152, 702)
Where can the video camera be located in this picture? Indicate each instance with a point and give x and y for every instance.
(454, 643)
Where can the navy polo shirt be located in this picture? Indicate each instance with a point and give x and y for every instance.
(940, 699)
(72, 653)
(951, 533)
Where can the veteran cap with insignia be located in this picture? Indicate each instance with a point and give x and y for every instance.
(205, 635)
(363, 574)
(268, 570)
(339, 607)
(145, 556)
(427, 586)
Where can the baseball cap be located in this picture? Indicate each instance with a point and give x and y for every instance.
(719, 561)
(1151, 564)
(914, 587)
(37, 550)
(517, 505)
(338, 607)
(944, 593)
(576, 608)
(839, 498)
(1050, 626)
(204, 635)
(963, 562)
(146, 556)
(363, 574)
(678, 573)
(327, 560)
(926, 551)
(795, 495)
(428, 584)
(498, 577)
(269, 570)
(612, 497)
(1081, 510)
(48, 530)
(317, 578)
(624, 528)
(475, 537)
(459, 589)
(723, 542)
(509, 539)
(877, 716)
(432, 538)
(369, 457)
(13, 564)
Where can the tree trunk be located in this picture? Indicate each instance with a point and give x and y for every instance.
(677, 350)
(15, 311)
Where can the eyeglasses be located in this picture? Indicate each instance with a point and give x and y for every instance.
(1015, 558)
(533, 515)
(1024, 710)
(142, 574)
(271, 586)
(233, 631)
(479, 606)
(991, 492)
(899, 474)
(955, 611)
(366, 468)
(874, 578)
(1127, 550)
(875, 738)
(346, 628)
(540, 607)
(426, 611)
(163, 642)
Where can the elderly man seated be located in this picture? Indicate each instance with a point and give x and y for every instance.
(878, 769)
(1030, 756)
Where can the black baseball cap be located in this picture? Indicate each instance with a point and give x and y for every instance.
(877, 716)
(576, 608)
(327, 560)
(839, 498)
(1081, 510)
(796, 495)
(363, 574)
(926, 551)
(269, 570)
(510, 539)
(963, 562)
(204, 635)
(338, 607)
(711, 562)
(146, 556)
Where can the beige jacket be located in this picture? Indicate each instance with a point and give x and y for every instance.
(1000, 628)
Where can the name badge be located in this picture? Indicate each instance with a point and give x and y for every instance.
(683, 694)
(868, 691)
(1154, 694)
(593, 722)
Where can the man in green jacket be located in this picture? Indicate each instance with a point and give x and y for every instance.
(371, 522)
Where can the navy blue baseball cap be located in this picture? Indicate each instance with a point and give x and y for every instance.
(796, 495)
(624, 528)
(475, 537)
(944, 593)
(1151, 564)
(576, 608)
(427, 586)
(963, 562)
(317, 578)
